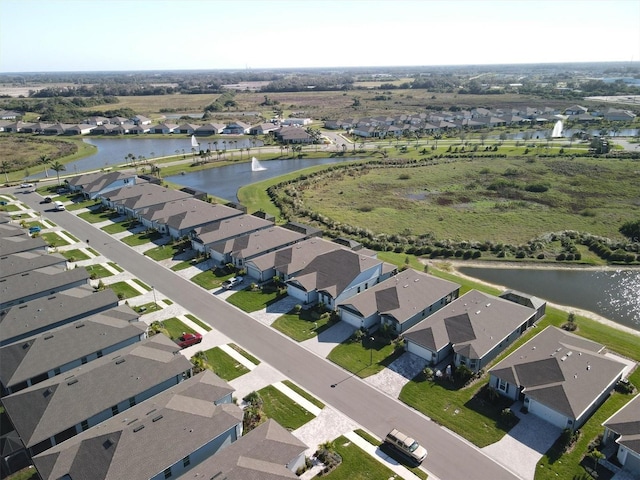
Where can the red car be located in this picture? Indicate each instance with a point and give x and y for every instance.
(188, 339)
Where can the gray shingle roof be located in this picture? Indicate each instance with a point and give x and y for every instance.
(146, 195)
(24, 360)
(10, 230)
(22, 262)
(20, 243)
(188, 213)
(231, 227)
(482, 321)
(256, 243)
(560, 370)
(52, 406)
(144, 440)
(72, 304)
(626, 423)
(261, 454)
(294, 258)
(402, 296)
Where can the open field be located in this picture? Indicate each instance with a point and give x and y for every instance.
(483, 199)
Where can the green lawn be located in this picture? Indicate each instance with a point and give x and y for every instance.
(98, 271)
(210, 279)
(175, 327)
(75, 255)
(303, 393)
(116, 267)
(302, 325)
(115, 228)
(357, 464)
(78, 205)
(366, 357)
(96, 217)
(142, 284)
(71, 236)
(164, 252)
(392, 453)
(123, 290)
(146, 308)
(198, 322)
(11, 207)
(223, 365)
(53, 239)
(283, 409)
(254, 300)
(141, 238)
(182, 265)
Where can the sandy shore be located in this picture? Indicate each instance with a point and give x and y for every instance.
(453, 267)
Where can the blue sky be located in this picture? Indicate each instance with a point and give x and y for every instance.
(89, 35)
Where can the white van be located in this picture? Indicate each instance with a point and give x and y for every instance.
(59, 206)
(406, 445)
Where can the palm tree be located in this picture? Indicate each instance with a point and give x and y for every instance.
(5, 169)
(58, 167)
(44, 160)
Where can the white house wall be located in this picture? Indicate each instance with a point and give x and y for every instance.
(629, 459)
(548, 414)
(423, 352)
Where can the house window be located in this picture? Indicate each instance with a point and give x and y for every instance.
(502, 385)
(186, 461)
(114, 410)
(84, 425)
(56, 371)
(83, 360)
(167, 473)
(99, 354)
(132, 402)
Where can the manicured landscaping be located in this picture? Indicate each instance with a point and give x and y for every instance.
(303, 324)
(75, 255)
(98, 271)
(142, 284)
(253, 300)
(123, 290)
(175, 327)
(98, 216)
(116, 227)
(183, 265)
(10, 207)
(303, 393)
(71, 236)
(245, 354)
(53, 239)
(283, 409)
(115, 266)
(146, 308)
(198, 322)
(164, 252)
(210, 279)
(78, 205)
(223, 365)
(357, 464)
(141, 238)
(392, 453)
(365, 357)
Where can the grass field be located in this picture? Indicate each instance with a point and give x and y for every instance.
(223, 365)
(483, 199)
(282, 409)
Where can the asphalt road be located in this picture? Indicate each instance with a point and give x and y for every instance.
(450, 457)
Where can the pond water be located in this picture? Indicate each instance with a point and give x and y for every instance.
(224, 182)
(612, 294)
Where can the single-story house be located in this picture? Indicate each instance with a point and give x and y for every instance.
(263, 128)
(210, 129)
(56, 129)
(539, 305)
(296, 121)
(140, 120)
(236, 128)
(24, 262)
(61, 407)
(288, 261)
(37, 316)
(132, 199)
(623, 429)
(332, 277)
(35, 359)
(79, 129)
(268, 452)
(400, 301)
(179, 217)
(241, 249)
(20, 243)
(96, 185)
(164, 128)
(575, 110)
(617, 115)
(38, 127)
(162, 437)
(560, 377)
(473, 329)
(291, 135)
(203, 237)
(187, 128)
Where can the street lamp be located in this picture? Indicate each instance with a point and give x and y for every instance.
(371, 351)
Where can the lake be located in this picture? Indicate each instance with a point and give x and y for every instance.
(224, 182)
(612, 294)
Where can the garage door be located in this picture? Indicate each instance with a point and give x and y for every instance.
(547, 414)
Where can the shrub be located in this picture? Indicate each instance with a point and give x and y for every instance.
(536, 188)
(561, 257)
(540, 256)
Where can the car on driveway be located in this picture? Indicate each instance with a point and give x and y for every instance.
(232, 282)
(34, 229)
(188, 339)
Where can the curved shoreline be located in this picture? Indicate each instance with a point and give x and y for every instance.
(452, 267)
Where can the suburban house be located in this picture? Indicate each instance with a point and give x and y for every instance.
(203, 237)
(79, 129)
(241, 249)
(39, 283)
(400, 301)
(186, 128)
(263, 128)
(210, 129)
(539, 305)
(95, 185)
(37, 127)
(35, 359)
(11, 230)
(178, 218)
(575, 110)
(23, 262)
(140, 120)
(163, 128)
(332, 277)
(473, 329)
(162, 437)
(131, 200)
(560, 377)
(288, 261)
(268, 452)
(40, 315)
(300, 122)
(622, 429)
(61, 407)
(292, 135)
(236, 128)
(617, 115)
(20, 243)
(56, 129)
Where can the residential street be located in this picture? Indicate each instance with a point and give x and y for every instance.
(450, 457)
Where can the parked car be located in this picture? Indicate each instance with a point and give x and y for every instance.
(3, 203)
(59, 206)
(187, 339)
(26, 185)
(406, 445)
(232, 282)
(34, 229)
(47, 200)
